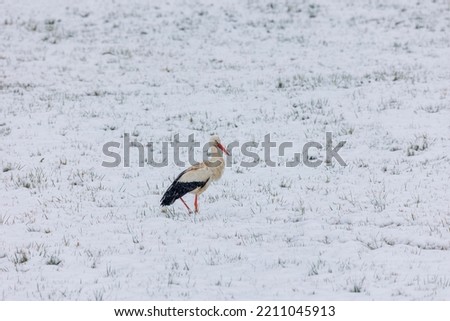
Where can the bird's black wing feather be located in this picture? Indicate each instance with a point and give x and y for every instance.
(179, 189)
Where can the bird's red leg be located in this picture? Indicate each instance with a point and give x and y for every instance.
(186, 205)
(196, 203)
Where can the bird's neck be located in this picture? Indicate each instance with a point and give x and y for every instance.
(216, 163)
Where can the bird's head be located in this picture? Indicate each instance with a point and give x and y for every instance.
(215, 141)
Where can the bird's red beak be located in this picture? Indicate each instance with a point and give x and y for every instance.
(223, 149)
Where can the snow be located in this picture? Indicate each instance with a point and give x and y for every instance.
(76, 75)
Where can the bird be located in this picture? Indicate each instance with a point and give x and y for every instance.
(198, 177)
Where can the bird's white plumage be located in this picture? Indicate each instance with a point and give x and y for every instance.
(196, 173)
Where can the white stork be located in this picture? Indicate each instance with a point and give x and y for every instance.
(197, 178)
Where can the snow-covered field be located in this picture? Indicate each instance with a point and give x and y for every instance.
(77, 74)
